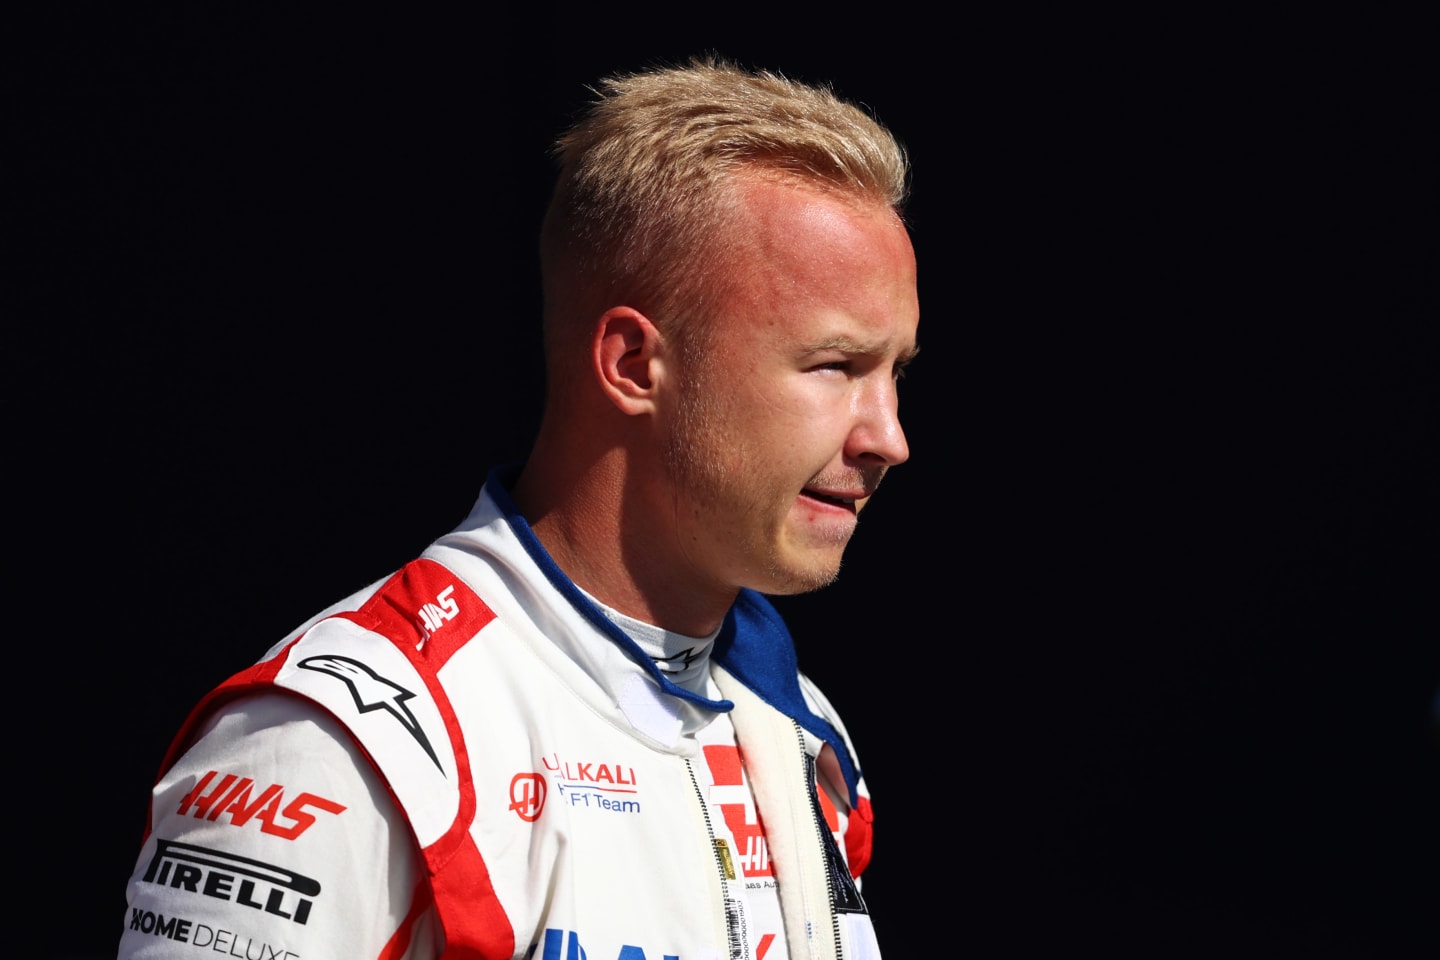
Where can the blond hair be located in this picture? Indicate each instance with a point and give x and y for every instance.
(644, 192)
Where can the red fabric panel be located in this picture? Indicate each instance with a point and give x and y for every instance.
(859, 837)
(476, 927)
(430, 608)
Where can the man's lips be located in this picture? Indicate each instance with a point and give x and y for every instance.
(843, 491)
(844, 500)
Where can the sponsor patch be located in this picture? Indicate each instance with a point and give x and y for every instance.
(370, 691)
(737, 806)
(565, 945)
(235, 798)
(609, 787)
(427, 603)
(202, 936)
(527, 795)
(227, 876)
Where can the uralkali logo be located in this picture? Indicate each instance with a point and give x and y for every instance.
(608, 787)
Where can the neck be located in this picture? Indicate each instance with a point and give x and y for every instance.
(593, 506)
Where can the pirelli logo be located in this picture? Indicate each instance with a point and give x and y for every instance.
(239, 880)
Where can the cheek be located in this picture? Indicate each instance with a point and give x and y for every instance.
(804, 405)
(777, 434)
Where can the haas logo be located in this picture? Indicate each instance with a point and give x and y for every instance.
(527, 795)
(232, 797)
(435, 615)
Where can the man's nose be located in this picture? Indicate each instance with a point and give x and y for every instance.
(877, 433)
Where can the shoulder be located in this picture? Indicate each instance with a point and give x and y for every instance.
(272, 828)
(278, 733)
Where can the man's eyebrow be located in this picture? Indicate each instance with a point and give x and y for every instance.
(850, 345)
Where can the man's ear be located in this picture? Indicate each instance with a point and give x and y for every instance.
(626, 353)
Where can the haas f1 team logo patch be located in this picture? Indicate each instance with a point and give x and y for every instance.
(241, 800)
(527, 795)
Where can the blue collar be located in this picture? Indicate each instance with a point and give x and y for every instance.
(753, 645)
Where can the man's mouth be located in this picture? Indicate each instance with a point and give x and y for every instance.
(845, 491)
(836, 500)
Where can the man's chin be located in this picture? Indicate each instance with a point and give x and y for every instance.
(788, 579)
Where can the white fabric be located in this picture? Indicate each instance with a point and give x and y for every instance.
(277, 739)
(618, 861)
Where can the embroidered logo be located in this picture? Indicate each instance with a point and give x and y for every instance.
(371, 691)
(610, 787)
(527, 795)
(226, 876)
(232, 797)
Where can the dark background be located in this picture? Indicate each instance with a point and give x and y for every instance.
(1139, 650)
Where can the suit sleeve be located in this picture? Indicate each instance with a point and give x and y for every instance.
(272, 836)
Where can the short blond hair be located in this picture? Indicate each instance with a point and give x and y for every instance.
(645, 183)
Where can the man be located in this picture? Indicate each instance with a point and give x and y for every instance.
(573, 728)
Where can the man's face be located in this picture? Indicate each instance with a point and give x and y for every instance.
(787, 417)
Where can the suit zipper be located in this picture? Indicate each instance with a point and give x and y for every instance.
(812, 784)
(724, 867)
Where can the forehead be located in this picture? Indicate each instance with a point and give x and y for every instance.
(802, 258)
(811, 219)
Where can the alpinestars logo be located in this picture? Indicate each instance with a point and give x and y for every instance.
(681, 661)
(226, 876)
(371, 691)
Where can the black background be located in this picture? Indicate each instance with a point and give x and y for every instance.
(1139, 649)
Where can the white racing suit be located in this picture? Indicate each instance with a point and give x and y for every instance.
(468, 759)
